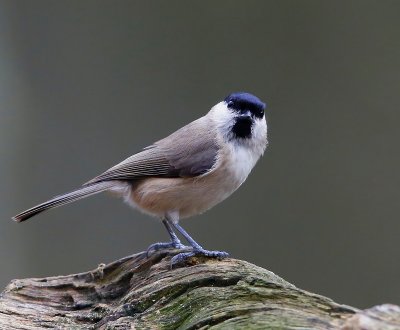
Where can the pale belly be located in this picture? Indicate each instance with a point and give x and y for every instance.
(187, 196)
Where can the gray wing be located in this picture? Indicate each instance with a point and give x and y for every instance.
(188, 152)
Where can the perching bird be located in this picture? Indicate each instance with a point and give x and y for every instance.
(187, 172)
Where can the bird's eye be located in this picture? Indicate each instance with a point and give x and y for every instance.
(259, 113)
(230, 104)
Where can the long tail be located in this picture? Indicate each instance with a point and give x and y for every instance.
(64, 199)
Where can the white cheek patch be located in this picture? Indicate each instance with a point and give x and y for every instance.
(223, 117)
(260, 133)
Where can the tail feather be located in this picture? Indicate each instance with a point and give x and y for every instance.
(64, 199)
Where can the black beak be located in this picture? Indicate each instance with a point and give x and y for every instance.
(245, 116)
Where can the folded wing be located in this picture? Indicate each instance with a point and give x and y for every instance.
(188, 152)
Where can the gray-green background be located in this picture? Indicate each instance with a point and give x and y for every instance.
(84, 84)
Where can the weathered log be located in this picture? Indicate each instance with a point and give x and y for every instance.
(139, 292)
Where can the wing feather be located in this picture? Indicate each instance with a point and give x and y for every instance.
(188, 152)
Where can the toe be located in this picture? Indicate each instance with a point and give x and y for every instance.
(182, 257)
(213, 254)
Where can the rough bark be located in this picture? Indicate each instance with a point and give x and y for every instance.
(137, 292)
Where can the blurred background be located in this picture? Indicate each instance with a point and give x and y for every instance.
(84, 84)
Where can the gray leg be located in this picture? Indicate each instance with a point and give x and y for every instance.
(175, 242)
(170, 230)
(197, 249)
(190, 240)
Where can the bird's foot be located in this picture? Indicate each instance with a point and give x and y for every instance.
(181, 257)
(162, 246)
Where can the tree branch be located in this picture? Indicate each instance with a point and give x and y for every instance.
(137, 292)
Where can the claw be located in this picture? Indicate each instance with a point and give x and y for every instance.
(181, 257)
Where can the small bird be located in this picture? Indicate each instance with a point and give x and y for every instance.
(186, 173)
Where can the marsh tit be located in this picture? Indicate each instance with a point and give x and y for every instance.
(186, 173)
